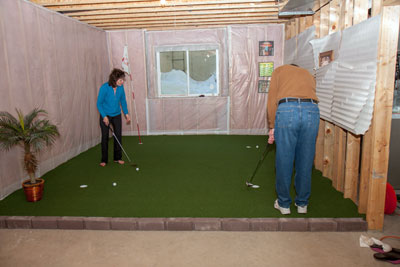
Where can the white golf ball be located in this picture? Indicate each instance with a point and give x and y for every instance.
(114, 184)
(137, 169)
(256, 146)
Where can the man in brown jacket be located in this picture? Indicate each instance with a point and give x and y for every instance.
(293, 120)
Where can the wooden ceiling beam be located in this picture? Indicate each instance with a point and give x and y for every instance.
(226, 21)
(195, 24)
(184, 20)
(174, 13)
(168, 2)
(155, 4)
(170, 28)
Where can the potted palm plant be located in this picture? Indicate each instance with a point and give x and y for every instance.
(32, 133)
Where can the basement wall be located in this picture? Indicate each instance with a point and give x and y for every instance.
(55, 63)
(238, 109)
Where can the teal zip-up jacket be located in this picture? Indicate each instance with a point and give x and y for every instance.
(109, 103)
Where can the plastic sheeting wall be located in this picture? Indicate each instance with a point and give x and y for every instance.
(53, 62)
(248, 107)
(134, 39)
(346, 86)
(304, 50)
(239, 109)
(355, 77)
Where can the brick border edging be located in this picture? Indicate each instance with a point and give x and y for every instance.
(185, 224)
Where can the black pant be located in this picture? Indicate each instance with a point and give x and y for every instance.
(117, 128)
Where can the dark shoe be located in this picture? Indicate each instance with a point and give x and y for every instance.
(390, 256)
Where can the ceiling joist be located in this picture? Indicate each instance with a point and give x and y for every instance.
(168, 14)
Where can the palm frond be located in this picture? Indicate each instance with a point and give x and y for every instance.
(21, 118)
(11, 132)
(29, 118)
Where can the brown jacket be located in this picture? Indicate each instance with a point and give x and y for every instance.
(288, 81)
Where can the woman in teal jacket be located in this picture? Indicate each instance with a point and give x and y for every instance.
(109, 102)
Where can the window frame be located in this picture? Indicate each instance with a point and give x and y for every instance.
(187, 49)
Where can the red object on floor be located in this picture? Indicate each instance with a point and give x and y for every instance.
(391, 199)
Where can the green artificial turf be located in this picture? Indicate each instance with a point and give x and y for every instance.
(179, 176)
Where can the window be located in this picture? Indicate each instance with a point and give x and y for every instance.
(187, 71)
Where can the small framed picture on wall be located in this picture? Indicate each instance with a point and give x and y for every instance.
(266, 48)
(325, 58)
(265, 69)
(263, 86)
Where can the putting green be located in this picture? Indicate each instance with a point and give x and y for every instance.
(179, 176)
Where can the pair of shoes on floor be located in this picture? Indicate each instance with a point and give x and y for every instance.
(285, 211)
(391, 256)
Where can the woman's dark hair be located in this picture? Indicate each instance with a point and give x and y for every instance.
(115, 75)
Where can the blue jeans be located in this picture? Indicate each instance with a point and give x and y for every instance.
(296, 129)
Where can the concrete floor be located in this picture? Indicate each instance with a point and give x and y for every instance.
(167, 248)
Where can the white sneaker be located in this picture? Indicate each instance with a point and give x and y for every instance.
(284, 211)
(301, 209)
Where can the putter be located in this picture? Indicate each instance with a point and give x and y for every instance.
(115, 137)
(268, 148)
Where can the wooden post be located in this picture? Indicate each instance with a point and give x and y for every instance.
(334, 13)
(381, 123)
(302, 24)
(360, 11)
(348, 20)
(319, 146)
(329, 139)
(292, 28)
(366, 145)
(324, 26)
(339, 157)
(376, 7)
(317, 21)
(353, 141)
(352, 164)
(365, 171)
(287, 31)
(309, 21)
(319, 150)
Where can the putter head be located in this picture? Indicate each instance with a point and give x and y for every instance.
(248, 184)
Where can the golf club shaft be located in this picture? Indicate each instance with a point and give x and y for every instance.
(119, 144)
(266, 151)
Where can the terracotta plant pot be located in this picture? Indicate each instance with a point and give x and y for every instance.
(33, 192)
